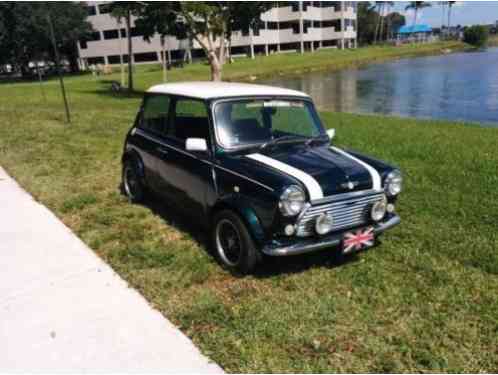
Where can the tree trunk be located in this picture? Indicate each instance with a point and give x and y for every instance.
(130, 52)
(164, 60)
(121, 65)
(376, 33)
(215, 67)
(449, 18)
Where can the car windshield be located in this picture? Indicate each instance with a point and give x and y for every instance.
(260, 121)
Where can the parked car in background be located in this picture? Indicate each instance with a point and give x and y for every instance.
(256, 167)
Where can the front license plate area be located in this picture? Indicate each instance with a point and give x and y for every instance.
(358, 240)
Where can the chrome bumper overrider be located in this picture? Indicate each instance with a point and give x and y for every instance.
(314, 244)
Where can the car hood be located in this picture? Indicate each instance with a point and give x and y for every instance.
(321, 170)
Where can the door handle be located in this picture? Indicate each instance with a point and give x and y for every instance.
(162, 150)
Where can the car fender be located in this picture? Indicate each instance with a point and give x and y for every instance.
(243, 207)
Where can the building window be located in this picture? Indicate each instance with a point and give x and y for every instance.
(294, 25)
(272, 25)
(306, 25)
(111, 34)
(91, 10)
(332, 4)
(145, 57)
(114, 59)
(295, 6)
(104, 8)
(332, 23)
(94, 36)
(95, 60)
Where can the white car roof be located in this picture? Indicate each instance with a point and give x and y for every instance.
(210, 90)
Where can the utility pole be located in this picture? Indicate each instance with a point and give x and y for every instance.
(57, 62)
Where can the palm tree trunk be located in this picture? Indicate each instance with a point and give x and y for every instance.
(377, 26)
(121, 65)
(449, 17)
(382, 23)
(165, 61)
(130, 51)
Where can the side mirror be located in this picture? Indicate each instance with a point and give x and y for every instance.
(331, 133)
(196, 144)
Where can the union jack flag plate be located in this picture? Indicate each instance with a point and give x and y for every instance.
(357, 240)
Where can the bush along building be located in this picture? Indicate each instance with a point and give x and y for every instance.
(289, 26)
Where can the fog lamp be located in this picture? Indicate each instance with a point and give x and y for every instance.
(324, 223)
(379, 210)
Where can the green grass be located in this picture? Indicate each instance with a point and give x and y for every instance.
(425, 300)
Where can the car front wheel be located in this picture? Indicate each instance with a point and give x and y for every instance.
(233, 244)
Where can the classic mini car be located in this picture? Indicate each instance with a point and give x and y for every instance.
(255, 165)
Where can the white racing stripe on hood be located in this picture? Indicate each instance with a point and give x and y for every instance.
(314, 188)
(373, 172)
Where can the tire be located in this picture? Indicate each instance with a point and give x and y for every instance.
(233, 244)
(133, 186)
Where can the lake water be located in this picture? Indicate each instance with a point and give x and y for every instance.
(460, 86)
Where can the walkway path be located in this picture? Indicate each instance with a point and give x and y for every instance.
(63, 309)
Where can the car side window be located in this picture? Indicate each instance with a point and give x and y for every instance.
(189, 120)
(155, 114)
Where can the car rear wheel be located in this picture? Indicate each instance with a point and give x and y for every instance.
(233, 244)
(132, 183)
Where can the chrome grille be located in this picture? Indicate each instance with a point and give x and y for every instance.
(348, 212)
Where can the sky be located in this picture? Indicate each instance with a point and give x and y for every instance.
(463, 13)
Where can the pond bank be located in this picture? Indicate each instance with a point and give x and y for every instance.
(288, 64)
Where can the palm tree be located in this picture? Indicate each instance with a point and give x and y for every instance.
(125, 10)
(388, 5)
(450, 5)
(416, 5)
(443, 13)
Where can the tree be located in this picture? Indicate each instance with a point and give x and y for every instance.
(394, 22)
(416, 6)
(367, 21)
(210, 23)
(450, 5)
(26, 34)
(382, 6)
(160, 18)
(125, 10)
(476, 35)
(246, 16)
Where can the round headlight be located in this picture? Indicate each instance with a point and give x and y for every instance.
(292, 201)
(394, 183)
(379, 210)
(324, 223)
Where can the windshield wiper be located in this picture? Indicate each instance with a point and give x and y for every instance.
(321, 138)
(283, 139)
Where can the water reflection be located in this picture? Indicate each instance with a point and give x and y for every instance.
(461, 86)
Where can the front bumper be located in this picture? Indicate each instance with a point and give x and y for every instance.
(277, 248)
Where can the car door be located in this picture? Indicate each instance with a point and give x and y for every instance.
(188, 174)
(151, 127)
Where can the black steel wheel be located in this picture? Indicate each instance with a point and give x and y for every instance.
(234, 245)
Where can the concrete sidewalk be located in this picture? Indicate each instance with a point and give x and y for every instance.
(64, 309)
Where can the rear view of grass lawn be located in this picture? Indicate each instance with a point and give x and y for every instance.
(425, 300)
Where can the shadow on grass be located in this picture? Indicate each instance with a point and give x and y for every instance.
(105, 89)
(269, 267)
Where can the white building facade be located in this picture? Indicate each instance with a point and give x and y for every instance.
(289, 26)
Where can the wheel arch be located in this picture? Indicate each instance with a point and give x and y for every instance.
(245, 211)
(134, 155)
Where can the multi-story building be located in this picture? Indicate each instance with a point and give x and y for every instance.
(289, 26)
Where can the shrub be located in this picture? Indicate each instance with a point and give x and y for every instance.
(476, 35)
